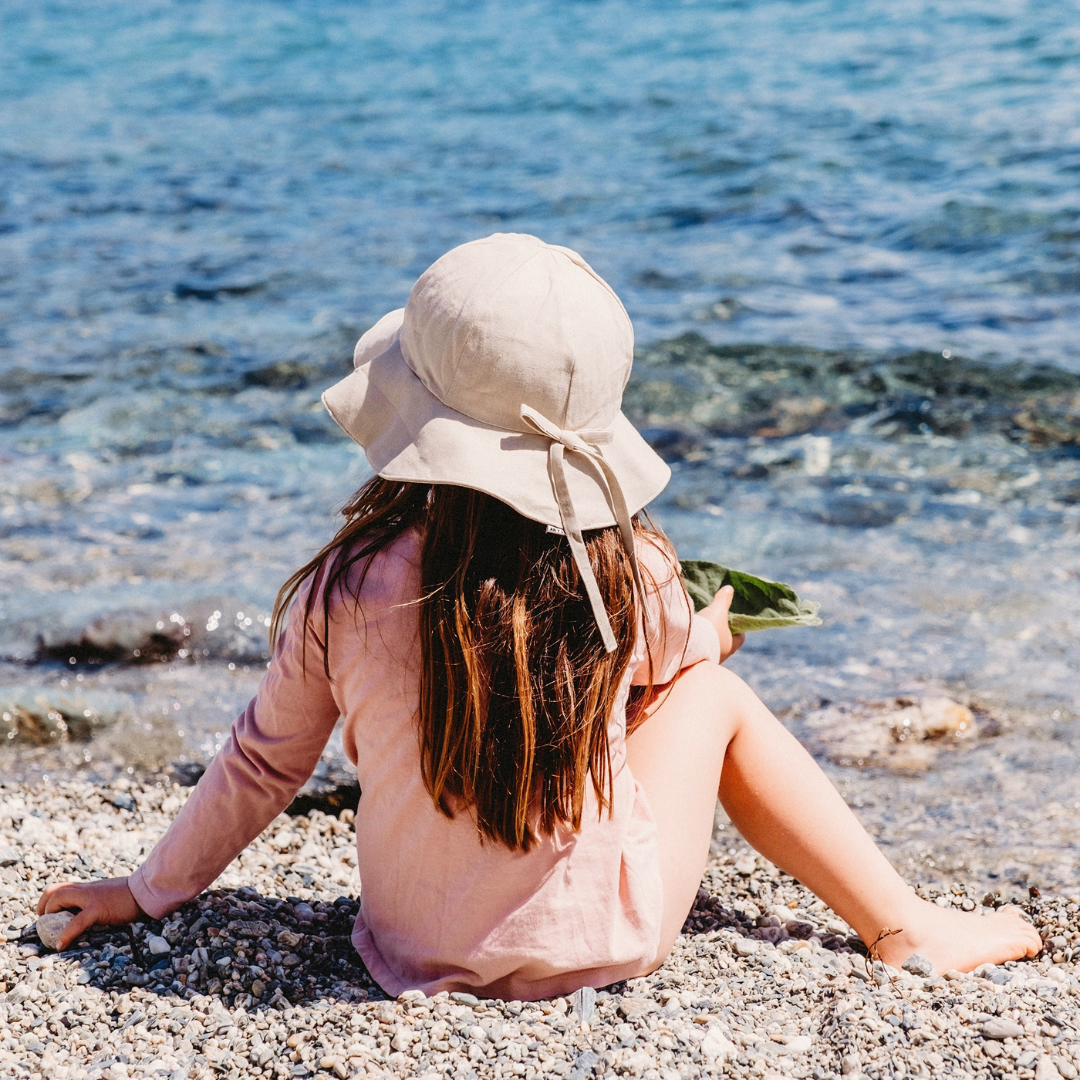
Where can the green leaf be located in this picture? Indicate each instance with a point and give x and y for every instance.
(758, 604)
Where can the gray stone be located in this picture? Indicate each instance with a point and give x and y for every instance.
(718, 1015)
(746, 946)
(633, 1007)
(841, 964)
(583, 1002)
(917, 964)
(584, 1065)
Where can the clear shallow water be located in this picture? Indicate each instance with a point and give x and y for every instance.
(202, 205)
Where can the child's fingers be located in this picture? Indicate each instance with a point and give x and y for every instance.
(47, 898)
(717, 614)
(717, 609)
(74, 929)
(721, 602)
(60, 897)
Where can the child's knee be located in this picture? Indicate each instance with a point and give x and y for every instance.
(723, 684)
(719, 694)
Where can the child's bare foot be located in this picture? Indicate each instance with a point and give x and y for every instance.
(961, 940)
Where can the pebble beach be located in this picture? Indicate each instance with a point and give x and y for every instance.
(847, 237)
(258, 978)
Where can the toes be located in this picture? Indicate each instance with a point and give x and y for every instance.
(1010, 909)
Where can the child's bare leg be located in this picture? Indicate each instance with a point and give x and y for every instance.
(785, 806)
(677, 756)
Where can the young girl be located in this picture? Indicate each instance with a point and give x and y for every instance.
(485, 622)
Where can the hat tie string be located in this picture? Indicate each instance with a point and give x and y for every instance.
(586, 442)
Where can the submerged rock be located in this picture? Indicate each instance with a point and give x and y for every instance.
(44, 716)
(218, 628)
(132, 636)
(933, 718)
(902, 734)
(687, 386)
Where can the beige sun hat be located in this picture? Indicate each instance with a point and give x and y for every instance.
(504, 372)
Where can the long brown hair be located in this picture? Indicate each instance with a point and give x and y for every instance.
(516, 688)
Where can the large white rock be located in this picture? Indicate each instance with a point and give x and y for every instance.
(1046, 1069)
(50, 927)
(1002, 1028)
(716, 1046)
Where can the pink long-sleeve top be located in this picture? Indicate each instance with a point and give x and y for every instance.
(440, 910)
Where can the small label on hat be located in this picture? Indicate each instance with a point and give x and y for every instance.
(555, 529)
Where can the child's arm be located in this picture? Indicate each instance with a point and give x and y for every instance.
(678, 637)
(272, 750)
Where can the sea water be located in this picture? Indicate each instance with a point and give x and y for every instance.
(202, 205)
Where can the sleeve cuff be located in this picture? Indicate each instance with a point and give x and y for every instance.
(145, 898)
(704, 643)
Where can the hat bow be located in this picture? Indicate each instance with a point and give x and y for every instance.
(587, 443)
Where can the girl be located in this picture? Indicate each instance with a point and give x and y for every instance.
(485, 622)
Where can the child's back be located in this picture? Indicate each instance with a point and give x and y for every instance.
(440, 908)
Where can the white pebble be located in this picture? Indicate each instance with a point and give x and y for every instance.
(50, 927)
(157, 945)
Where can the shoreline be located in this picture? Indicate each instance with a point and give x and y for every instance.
(741, 994)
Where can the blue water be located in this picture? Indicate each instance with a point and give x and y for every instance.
(867, 174)
(203, 204)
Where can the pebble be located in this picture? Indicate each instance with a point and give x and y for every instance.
(999, 1028)
(716, 1046)
(50, 927)
(258, 979)
(917, 964)
(583, 1002)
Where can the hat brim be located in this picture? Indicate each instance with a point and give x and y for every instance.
(409, 434)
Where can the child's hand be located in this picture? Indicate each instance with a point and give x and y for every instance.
(717, 614)
(105, 903)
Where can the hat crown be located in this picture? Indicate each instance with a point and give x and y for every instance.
(509, 321)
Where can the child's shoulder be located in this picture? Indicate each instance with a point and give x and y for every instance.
(657, 557)
(384, 576)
